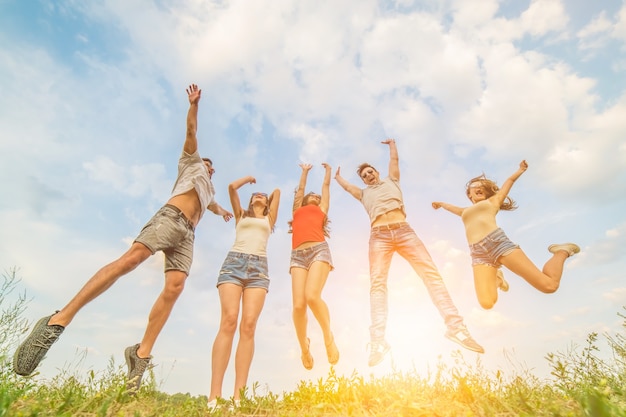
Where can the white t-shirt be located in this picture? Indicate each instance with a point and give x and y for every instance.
(381, 198)
(192, 174)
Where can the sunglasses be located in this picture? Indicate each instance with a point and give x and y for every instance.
(366, 172)
(261, 194)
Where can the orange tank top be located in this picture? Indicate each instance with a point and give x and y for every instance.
(307, 225)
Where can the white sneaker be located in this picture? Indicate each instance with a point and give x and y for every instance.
(212, 405)
(570, 248)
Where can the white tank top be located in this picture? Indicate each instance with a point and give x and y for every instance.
(251, 235)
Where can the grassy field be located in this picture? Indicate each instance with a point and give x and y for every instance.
(581, 385)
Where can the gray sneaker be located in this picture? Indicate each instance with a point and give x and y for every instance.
(461, 336)
(136, 367)
(378, 350)
(34, 348)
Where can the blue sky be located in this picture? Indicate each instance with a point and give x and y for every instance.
(92, 119)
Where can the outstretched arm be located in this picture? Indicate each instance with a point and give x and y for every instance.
(351, 188)
(325, 200)
(274, 201)
(191, 141)
(233, 193)
(297, 199)
(394, 166)
(451, 208)
(508, 184)
(220, 211)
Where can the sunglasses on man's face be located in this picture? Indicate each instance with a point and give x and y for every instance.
(367, 172)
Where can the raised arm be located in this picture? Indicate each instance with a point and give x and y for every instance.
(351, 188)
(191, 141)
(451, 208)
(499, 197)
(394, 165)
(325, 200)
(297, 198)
(274, 202)
(233, 193)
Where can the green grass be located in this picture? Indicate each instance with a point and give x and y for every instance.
(582, 384)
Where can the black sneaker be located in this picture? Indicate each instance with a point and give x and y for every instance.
(136, 367)
(34, 348)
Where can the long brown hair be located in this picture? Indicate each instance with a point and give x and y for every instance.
(491, 188)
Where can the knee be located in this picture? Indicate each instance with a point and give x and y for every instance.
(313, 300)
(228, 324)
(487, 302)
(247, 328)
(173, 289)
(299, 307)
(549, 287)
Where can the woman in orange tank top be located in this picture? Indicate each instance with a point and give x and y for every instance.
(310, 264)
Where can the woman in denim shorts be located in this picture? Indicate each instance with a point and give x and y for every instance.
(242, 285)
(310, 264)
(490, 247)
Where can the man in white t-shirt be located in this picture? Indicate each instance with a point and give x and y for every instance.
(390, 233)
(171, 230)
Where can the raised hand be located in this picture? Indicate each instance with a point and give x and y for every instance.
(523, 165)
(338, 172)
(326, 166)
(194, 93)
(388, 141)
(306, 167)
(436, 205)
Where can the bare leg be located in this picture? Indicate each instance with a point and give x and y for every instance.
(101, 281)
(299, 314)
(318, 274)
(316, 279)
(230, 298)
(546, 281)
(161, 310)
(252, 304)
(485, 283)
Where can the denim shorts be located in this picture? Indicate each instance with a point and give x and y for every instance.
(303, 258)
(245, 270)
(491, 248)
(169, 231)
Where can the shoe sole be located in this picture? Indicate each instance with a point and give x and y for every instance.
(458, 342)
(570, 248)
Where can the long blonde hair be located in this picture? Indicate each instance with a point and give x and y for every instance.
(491, 188)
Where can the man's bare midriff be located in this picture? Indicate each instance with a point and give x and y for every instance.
(189, 204)
(393, 216)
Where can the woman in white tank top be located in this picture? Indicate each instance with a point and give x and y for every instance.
(244, 271)
(490, 248)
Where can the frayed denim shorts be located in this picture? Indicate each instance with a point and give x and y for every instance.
(491, 248)
(245, 270)
(169, 231)
(303, 258)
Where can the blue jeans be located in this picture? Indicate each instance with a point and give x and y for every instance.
(401, 238)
